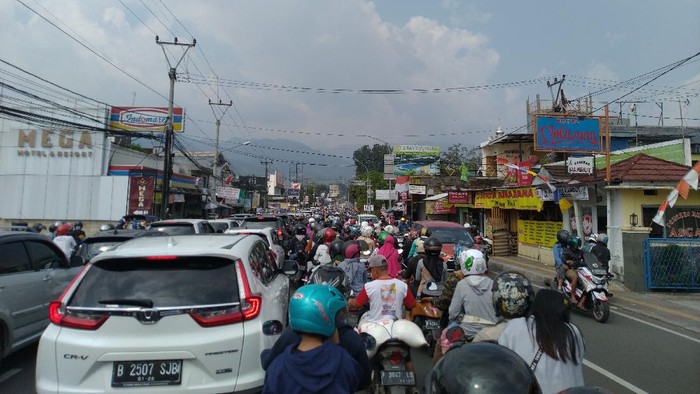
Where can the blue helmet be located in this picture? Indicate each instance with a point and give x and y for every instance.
(313, 308)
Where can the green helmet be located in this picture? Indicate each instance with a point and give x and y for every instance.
(313, 308)
(382, 237)
(575, 242)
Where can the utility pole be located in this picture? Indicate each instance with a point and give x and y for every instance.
(168, 160)
(267, 182)
(216, 147)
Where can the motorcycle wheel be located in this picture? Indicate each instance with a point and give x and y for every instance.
(601, 311)
(420, 322)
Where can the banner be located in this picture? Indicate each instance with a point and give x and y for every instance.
(439, 208)
(578, 193)
(459, 198)
(683, 222)
(417, 189)
(538, 233)
(227, 192)
(141, 190)
(569, 134)
(579, 165)
(386, 195)
(416, 160)
(523, 199)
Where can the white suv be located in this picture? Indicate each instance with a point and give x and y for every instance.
(166, 314)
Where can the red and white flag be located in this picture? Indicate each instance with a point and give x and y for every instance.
(402, 183)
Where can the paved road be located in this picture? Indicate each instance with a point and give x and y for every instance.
(628, 354)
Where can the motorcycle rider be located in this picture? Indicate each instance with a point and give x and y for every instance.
(316, 364)
(558, 252)
(472, 305)
(64, 239)
(481, 368)
(573, 258)
(512, 296)
(601, 251)
(78, 232)
(409, 274)
(432, 267)
(298, 243)
(366, 232)
(353, 267)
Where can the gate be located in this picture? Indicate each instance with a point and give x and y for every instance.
(672, 263)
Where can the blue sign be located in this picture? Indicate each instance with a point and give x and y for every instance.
(571, 134)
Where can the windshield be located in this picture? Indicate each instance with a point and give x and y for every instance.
(89, 250)
(256, 223)
(450, 235)
(175, 228)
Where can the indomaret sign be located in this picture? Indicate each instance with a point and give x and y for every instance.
(568, 134)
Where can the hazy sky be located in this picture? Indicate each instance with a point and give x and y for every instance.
(277, 60)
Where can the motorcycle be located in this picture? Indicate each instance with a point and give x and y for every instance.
(593, 284)
(388, 345)
(427, 316)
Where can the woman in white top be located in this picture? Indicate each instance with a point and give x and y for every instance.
(548, 342)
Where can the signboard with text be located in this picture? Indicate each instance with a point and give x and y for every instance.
(439, 208)
(459, 198)
(683, 222)
(386, 195)
(145, 118)
(567, 134)
(523, 199)
(417, 189)
(538, 233)
(416, 160)
(141, 190)
(578, 193)
(579, 165)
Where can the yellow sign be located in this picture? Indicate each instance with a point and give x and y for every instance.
(538, 233)
(524, 199)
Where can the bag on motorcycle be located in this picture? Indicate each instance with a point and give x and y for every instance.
(380, 332)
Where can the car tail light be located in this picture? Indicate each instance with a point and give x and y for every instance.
(247, 310)
(161, 257)
(279, 232)
(83, 321)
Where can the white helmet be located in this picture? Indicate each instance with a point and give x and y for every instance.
(389, 229)
(593, 238)
(471, 262)
(311, 220)
(467, 225)
(364, 224)
(366, 231)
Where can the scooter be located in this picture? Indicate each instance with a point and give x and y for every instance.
(593, 284)
(388, 345)
(427, 316)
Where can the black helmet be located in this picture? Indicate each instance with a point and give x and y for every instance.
(336, 249)
(78, 225)
(52, 228)
(563, 237)
(432, 246)
(331, 275)
(300, 229)
(482, 367)
(512, 295)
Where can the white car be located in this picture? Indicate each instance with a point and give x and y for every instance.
(183, 226)
(167, 315)
(269, 235)
(221, 225)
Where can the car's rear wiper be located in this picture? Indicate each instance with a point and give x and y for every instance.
(128, 301)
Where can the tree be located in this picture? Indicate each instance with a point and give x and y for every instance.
(456, 156)
(370, 159)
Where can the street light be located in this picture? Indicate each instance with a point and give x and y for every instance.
(216, 158)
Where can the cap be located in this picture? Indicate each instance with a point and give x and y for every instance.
(377, 261)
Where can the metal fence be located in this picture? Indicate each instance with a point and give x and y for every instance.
(672, 263)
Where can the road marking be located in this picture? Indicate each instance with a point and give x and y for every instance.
(613, 377)
(657, 326)
(9, 374)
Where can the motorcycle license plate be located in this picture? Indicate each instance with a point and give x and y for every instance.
(146, 373)
(431, 324)
(398, 378)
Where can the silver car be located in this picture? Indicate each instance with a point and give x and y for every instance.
(33, 272)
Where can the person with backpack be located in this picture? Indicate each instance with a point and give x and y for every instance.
(354, 269)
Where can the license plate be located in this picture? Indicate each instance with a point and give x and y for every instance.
(398, 378)
(431, 324)
(146, 373)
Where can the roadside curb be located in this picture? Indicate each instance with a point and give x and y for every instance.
(640, 303)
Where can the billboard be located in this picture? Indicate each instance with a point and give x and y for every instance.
(141, 190)
(416, 160)
(145, 118)
(386, 195)
(567, 134)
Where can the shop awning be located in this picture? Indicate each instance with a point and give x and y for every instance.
(441, 196)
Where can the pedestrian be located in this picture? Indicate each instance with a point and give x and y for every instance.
(546, 340)
(558, 254)
(316, 364)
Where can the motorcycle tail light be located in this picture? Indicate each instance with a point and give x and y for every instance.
(396, 357)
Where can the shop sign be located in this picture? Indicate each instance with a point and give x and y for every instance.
(459, 198)
(579, 165)
(417, 189)
(141, 190)
(569, 134)
(578, 193)
(523, 199)
(439, 208)
(48, 143)
(683, 222)
(386, 195)
(538, 233)
(227, 192)
(145, 118)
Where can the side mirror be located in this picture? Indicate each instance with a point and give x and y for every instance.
(77, 261)
(290, 268)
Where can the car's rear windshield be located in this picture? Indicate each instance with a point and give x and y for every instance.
(259, 222)
(219, 226)
(450, 235)
(175, 228)
(91, 249)
(185, 281)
